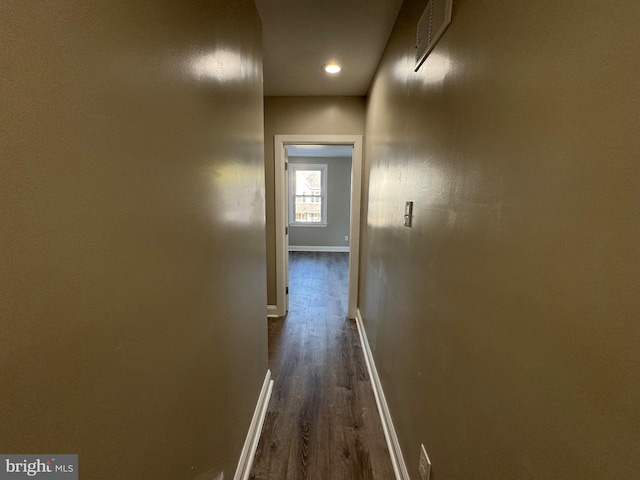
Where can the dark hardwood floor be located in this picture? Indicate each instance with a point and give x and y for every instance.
(322, 422)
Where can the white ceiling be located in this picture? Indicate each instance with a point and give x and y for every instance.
(300, 36)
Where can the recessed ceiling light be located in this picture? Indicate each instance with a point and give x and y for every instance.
(332, 68)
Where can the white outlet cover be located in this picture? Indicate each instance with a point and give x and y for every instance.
(425, 464)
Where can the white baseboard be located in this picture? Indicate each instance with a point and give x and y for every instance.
(319, 248)
(397, 459)
(255, 429)
(272, 311)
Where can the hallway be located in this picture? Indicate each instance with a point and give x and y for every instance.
(322, 420)
(499, 254)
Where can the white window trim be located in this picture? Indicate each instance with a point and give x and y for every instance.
(324, 168)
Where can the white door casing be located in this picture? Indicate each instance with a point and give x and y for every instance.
(281, 213)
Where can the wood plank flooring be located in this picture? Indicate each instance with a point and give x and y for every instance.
(322, 422)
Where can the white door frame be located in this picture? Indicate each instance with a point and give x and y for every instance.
(282, 237)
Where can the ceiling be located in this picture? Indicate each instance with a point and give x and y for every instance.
(300, 36)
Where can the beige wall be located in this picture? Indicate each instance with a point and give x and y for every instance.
(299, 116)
(132, 278)
(505, 323)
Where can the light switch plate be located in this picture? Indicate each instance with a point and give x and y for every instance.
(408, 214)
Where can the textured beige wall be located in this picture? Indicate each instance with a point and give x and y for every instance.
(301, 116)
(132, 278)
(506, 323)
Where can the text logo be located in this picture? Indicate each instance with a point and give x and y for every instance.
(45, 467)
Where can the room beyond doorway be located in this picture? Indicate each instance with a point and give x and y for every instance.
(281, 143)
(319, 195)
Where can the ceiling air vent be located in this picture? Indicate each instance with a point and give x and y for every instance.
(433, 22)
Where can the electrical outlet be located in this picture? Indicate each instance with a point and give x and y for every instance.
(346, 238)
(425, 464)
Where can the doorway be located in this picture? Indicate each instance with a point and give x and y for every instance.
(282, 212)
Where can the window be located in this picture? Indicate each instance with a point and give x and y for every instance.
(307, 194)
